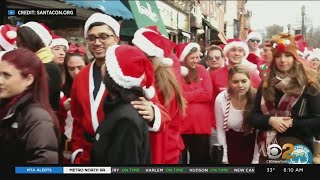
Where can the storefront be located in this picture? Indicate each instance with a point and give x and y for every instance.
(176, 23)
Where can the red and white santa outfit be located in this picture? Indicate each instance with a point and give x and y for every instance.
(8, 35)
(199, 112)
(166, 145)
(87, 111)
(219, 77)
(255, 57)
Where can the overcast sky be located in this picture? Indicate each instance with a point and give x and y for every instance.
(266, 13)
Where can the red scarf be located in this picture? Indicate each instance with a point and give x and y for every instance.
(8, 103)
(265, 138)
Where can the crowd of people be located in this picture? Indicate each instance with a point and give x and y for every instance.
(152, 102)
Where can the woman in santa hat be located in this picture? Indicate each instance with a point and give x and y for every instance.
(59, 47)
(37, 38)
(8, 37)
(123, 137)
(197, 89)
(314, 60)
(166, 146)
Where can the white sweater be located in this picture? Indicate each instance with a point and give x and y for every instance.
(235, 121)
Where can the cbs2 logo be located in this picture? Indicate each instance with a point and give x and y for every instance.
(274, 151)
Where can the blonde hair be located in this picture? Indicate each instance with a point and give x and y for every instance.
(301, 76)
(250, 95)
(168, 85)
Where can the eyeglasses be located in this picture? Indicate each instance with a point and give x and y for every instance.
(102, 38)
(255, 40)
(210, 58)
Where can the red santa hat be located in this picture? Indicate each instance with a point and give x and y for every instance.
(8, 35)
(153, 43)
(182, 50)
(59, 41)
(41, 30)
(254, 35)
(235, 43)
(130, 71)
(99, 17)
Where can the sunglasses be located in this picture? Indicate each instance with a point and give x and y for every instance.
(255, 40)
(210, 58)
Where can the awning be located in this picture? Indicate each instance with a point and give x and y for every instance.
(207, 23)
(145, 13)
(186, 35)
(223, 38)
(110, 7)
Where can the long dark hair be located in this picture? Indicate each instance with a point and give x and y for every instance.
(27, 38)
(126, 95)
(250, 95)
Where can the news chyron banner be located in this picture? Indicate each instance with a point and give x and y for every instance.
(41, 12)
(134, 170)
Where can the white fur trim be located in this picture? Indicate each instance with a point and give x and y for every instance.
(95, 102)
(157, 119)
(99, 17)
(145, 44)
(61, 94)
(74, 155)
(184, 71)
(11, 34)
(149, 92)
(41, 31)
(254, 35)
(59, 42)
(187, 49)
(241, 44)
(116, 73)
(313, 56)
(167, 61)
(1, 54)
(5, 44)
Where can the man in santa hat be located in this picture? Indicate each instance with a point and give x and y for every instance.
(8, 35)
(254, 40)
(236, 52)
(88, 90)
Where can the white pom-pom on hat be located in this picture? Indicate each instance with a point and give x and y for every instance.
(167, 61)
(149, 92)
(184, 71)
(11, 34)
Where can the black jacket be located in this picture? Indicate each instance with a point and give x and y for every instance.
(122, 138)
(27, 135)
(54, 83)
(305, 114)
